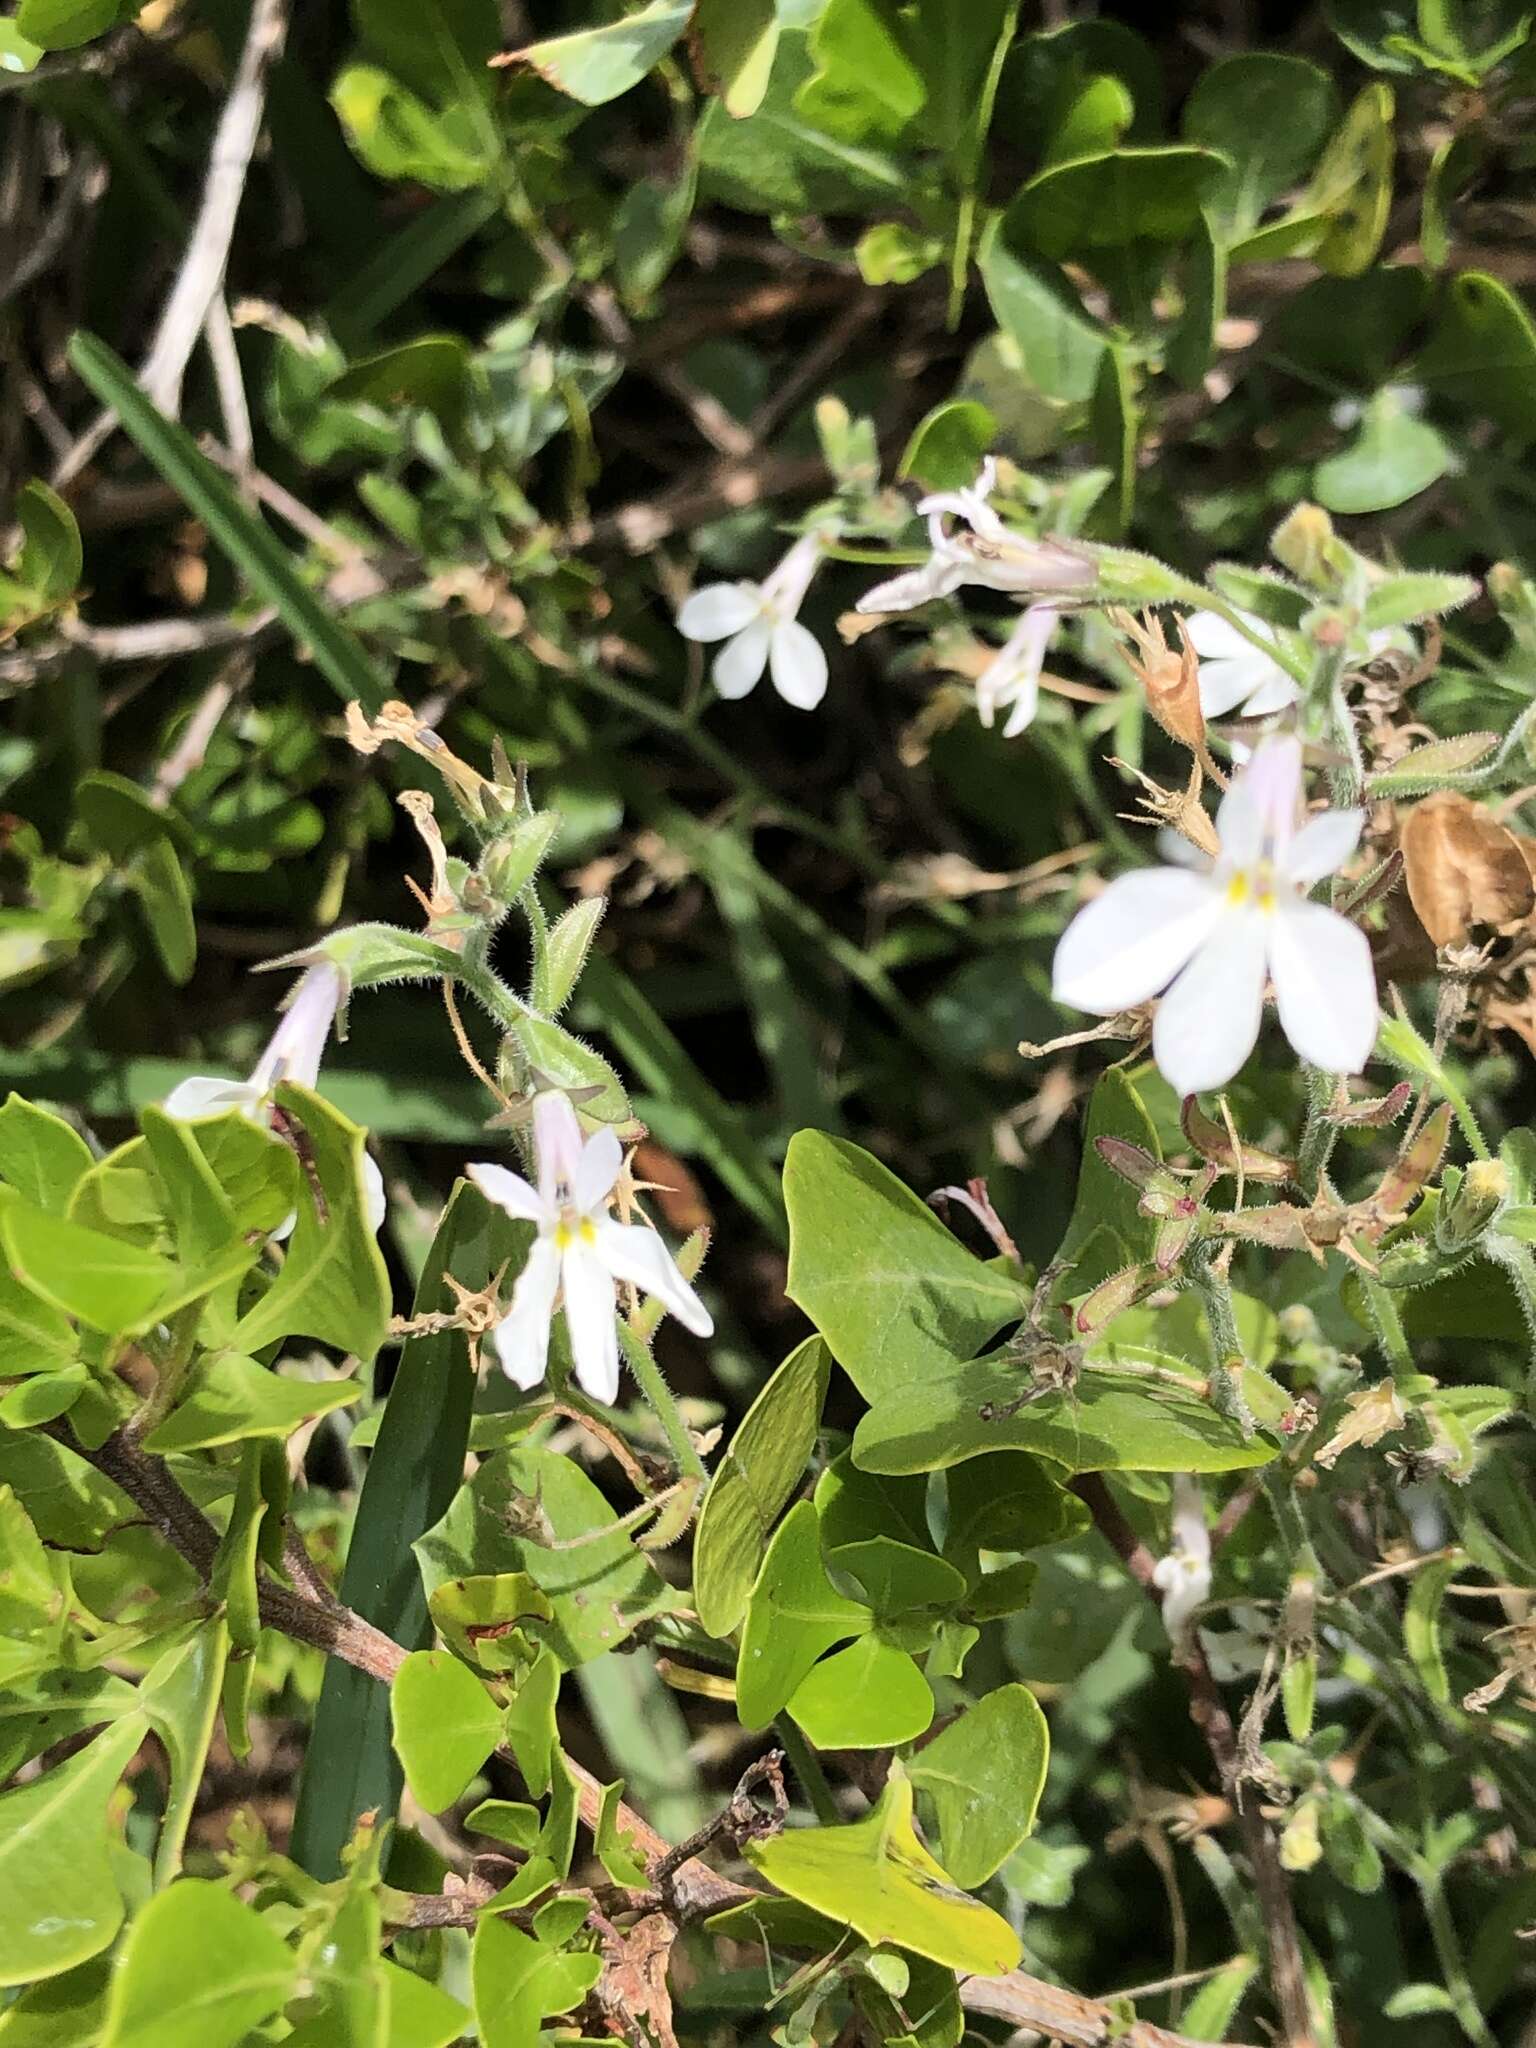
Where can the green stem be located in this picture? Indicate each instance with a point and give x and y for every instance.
(1389, 1326)
(1215, 1292)
(171, 1370)
(1453, 1968)
(1319, 1135)
(806, 1765)
(648, 1374)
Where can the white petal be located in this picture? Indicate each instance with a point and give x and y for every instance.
(590, 1312)
(1214, 638)
(799, 665)
(557, 1143)
(295, 1049)
(1132, 940)
(375, 1201)
(1275, 693)
(740, 663)
(1326, 986)
(597, 1170)
(522, 1335)
(1323, 845)
(1207, 1023)
(210, 1095)
(937, 577)
(1233, 680)
(1260, 807)
(509, 1191)
(633, 1252)
(719, 610)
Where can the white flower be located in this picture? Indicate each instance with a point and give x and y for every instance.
(1011, 680)
(981, 550)
(1234, 674)
(760, 625)
(293, 1053)
(580, 1253)
(1183, 1577)
(1217, 933)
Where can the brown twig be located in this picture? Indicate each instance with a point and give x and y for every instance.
(1209, 1713)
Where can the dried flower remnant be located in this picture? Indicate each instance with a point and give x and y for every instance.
(1464, 870)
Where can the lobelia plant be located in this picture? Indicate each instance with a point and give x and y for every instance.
(411, 1634)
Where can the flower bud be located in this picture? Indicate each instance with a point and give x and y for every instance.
(511, 860)
(1305, 543)
(1467, 1209)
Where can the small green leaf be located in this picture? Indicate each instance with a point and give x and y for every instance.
(65, 24)
(431, 372)
(334, 1285)
(865, 88)
(50, 563)
(1115, 197)
(985, 1773)
(232, 1397)
(616, 1851)
(732, 43)
(1481, 352)
(599, 1585)
(894, 1293)
(596, 65)
(1104, 1424)
(1060, 345)
(565, 1062)
(875, 1876)
(62, 1903)
(43, 1397)
(1393, 458)
(947, 445)
(180, 1694)
(519, 1981)
(868, 1696)
(564, 954)
(765, 1462)
(479, 1618)
(41, 1156)
(1404, 599)
(896, 1578)
(100, 1280)
(1268, 114)
(794, 1615)
(198, 1970)
(445, 1726)
(1352, 185)
(1421, 1622)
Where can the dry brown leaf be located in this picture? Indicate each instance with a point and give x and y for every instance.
(1463, 869)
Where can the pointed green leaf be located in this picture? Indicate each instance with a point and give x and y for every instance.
(985, 1773)
(794, 1614)
(875, 1876)
(41, 1156)
(199, 1970)
(868, 1696)
(231, 1397)
(765, 1462)
(334, 1285)
(894, 1293)
(596, 65)
(445, 1726)
(62, 1904)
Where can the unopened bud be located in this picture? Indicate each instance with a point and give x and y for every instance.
(511, 860)
(1304, 542)
(1466, 1211)
(1113, 1296)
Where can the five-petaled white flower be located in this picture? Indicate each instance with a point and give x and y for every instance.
(760, 625)
(293, 1053)
(1217, 933)
(981, 550)
(1011, 680)
(580, 1253)
(1235, 675)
